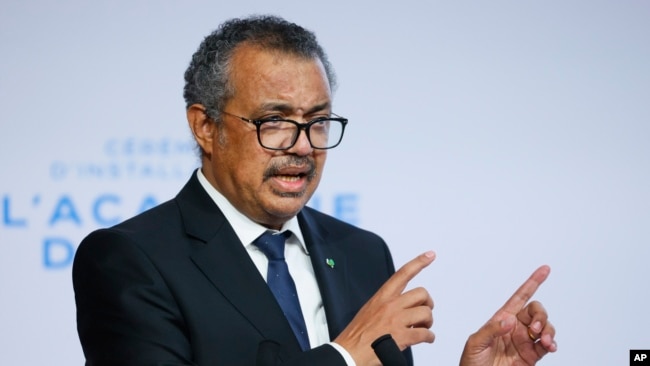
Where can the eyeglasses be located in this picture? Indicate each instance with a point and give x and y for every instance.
(281, 134)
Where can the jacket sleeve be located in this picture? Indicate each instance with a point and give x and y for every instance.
(125, 313)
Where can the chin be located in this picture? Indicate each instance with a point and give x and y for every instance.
(285, 205)
(286, 210)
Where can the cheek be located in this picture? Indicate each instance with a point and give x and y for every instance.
(240, 151)
(246, 166)
(320, 159)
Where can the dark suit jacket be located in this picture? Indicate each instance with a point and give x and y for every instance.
(175, 286)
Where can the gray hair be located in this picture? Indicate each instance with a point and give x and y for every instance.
(207, 77)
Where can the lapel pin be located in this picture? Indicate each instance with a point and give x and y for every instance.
(330, 262)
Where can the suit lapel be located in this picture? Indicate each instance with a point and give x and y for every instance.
(331, 279)
(225, 262)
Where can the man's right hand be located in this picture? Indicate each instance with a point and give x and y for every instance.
(406, 316)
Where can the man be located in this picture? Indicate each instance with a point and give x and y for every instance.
(186, 282)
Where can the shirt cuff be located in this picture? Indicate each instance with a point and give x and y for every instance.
(344, 353)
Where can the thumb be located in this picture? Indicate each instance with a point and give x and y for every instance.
(493, 329)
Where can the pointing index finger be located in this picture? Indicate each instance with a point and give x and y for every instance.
(398, 281)
(520, 298)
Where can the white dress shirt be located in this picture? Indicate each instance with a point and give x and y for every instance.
(298, 261)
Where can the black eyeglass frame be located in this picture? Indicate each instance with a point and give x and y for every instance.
(301, 127)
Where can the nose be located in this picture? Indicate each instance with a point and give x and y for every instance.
(302, 147)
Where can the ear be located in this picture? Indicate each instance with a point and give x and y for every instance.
(203, 128)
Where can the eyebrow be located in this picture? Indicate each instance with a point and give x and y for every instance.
(288, 108)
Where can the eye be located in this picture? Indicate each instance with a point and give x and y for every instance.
(319, 120)
(274, 117)
(320, 125)
(273, 121)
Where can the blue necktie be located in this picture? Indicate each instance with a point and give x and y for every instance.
(281, 284)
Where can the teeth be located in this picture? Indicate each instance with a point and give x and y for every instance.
(289, 178)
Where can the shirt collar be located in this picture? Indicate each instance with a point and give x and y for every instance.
(246, 229)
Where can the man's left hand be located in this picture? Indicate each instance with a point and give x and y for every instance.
(518, 334)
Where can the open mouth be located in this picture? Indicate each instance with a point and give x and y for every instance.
(291, 171)
(290, 178)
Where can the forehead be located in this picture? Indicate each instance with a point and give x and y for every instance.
(259, 77)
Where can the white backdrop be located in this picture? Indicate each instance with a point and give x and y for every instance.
(503, 135)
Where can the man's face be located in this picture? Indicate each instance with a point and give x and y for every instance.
(269, 186)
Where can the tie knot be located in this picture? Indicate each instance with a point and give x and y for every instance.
(272, 245)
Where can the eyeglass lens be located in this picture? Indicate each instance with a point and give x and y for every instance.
(283, 134)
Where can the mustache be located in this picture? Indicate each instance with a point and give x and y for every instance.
(291, 161)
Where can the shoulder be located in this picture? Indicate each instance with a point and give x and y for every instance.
(335, 228)
(357, 244)
(138, 231)
(152, 219)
